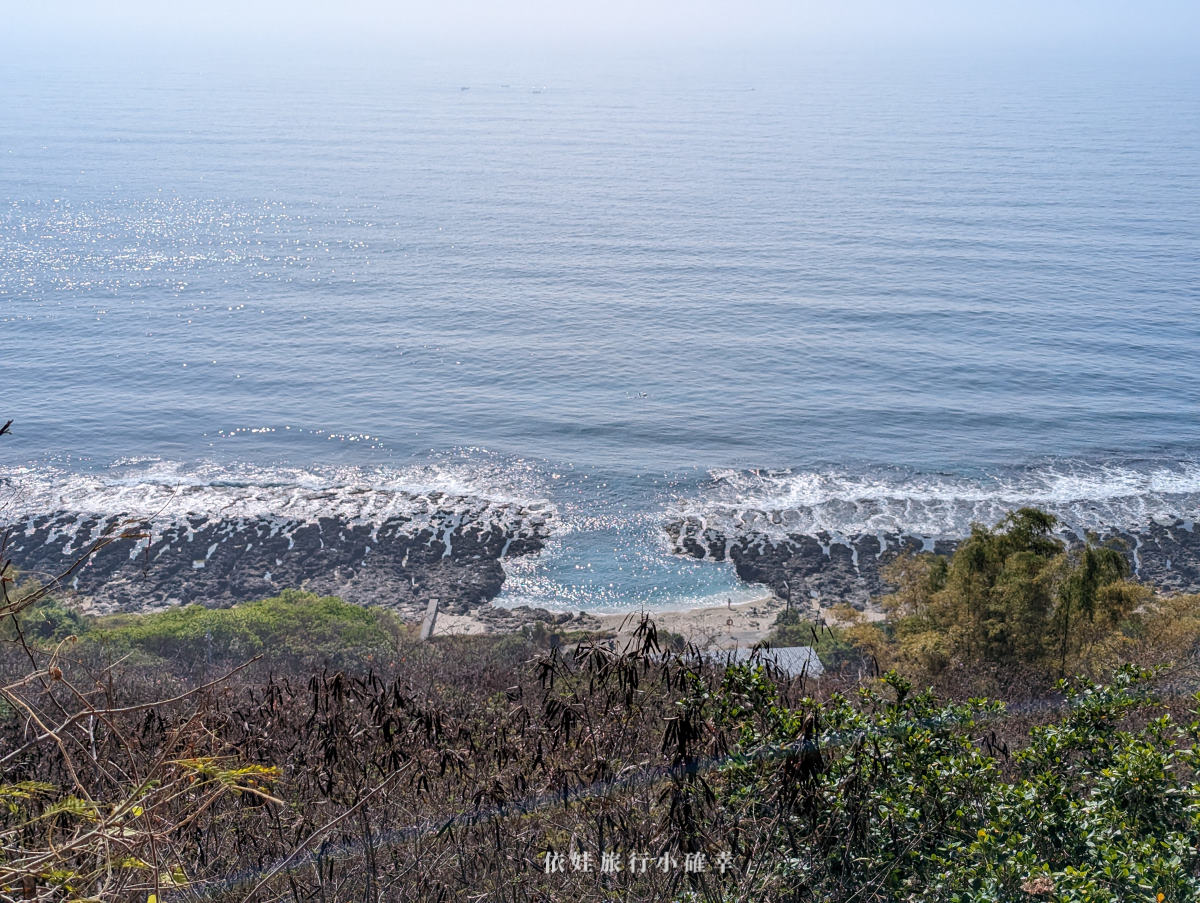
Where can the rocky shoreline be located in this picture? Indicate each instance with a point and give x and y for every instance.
(830, 569)
(451, 548)
(453, 553)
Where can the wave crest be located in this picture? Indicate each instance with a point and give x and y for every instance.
(1083, 496)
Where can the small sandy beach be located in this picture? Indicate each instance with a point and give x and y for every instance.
(720, 627)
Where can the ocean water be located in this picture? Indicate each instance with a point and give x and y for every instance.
(860, 291)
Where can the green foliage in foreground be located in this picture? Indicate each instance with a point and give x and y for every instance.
(294, 626)
(893, 796)
(876, 794)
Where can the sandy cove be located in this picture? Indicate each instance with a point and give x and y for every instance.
(719, 626)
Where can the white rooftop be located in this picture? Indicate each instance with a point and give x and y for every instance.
(791, 660)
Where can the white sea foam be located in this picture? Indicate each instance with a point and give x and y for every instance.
(842, 503)
(169, 492)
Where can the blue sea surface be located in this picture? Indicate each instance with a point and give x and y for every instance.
(908, 289)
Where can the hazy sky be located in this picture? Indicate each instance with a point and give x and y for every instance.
(608, 21)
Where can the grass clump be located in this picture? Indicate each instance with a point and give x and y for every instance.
(294, 627)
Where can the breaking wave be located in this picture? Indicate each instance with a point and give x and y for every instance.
(169, 492)
(1084, 496)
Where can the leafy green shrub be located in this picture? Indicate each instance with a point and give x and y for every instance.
(46, 621)
(294, 626)
(893, 795)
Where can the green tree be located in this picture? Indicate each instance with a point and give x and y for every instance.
(1012, 594)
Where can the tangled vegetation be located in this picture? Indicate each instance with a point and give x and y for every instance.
(301, 749)
(459, 769)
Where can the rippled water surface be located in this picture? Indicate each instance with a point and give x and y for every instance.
(861, 292)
